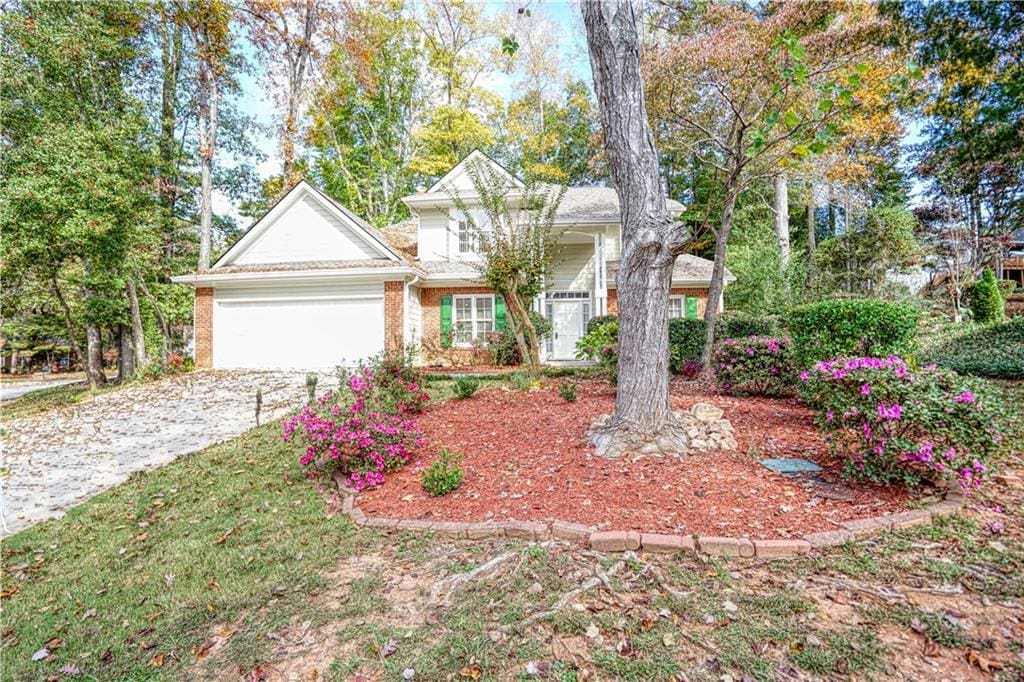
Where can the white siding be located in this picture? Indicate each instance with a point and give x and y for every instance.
(433, 235)
(611, 242)
(573, 269)
(307, 232)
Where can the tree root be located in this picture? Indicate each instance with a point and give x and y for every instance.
(614, 438)
(448, 586)
(599, 578)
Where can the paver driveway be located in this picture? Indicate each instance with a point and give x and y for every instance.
(56, 459)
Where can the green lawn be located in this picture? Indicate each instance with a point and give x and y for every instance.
(46, 399)
(228, 563)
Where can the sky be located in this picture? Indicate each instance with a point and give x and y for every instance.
(255, 102)
(572, 48)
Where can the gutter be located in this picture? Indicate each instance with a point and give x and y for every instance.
(214, 277)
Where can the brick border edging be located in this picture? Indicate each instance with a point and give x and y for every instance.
(621, 541)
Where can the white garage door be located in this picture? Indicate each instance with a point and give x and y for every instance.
(297, 328)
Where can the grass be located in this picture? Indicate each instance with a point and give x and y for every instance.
(132, 580)
(233, 543)
(47, 399)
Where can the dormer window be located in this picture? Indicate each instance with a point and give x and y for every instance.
(468, 242)
(468, 233)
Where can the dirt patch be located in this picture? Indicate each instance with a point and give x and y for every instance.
(525, 458)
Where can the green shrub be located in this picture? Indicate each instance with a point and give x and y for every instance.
(898, 424)
(686, 336)
(1007, 287)
(755, 365)
(567, 390)
(503, 346)
(465, 387)
(685, 340)
(736, 325)
(986, 302)
(600, 320)
(444, 475)
(521, 381)
(601, 345)
(311, 381)
(852, 328)
(995, 351)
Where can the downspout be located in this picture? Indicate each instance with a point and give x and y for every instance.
(405, 307)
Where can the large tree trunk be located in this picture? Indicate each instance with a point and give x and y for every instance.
(69, 328)
(295, 91)
(171, 36)
(208, 96)
(717, 286)
(643, 420)
(138, 337)
(522, 329)
(811, 236)
(125, 355)
(165, 327)
(782, 218)
(94, 357)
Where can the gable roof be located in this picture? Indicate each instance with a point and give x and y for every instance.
(597, 205)
(356, 225)
(475, 156)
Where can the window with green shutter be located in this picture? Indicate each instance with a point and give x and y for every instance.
(446, 321)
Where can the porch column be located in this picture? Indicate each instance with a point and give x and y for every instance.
(600, 277)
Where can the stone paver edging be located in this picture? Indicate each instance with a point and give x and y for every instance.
(623, 540)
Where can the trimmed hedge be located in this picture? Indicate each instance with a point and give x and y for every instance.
(731, 325)
(995, 351)
(986, 301)
(596, 322)
(852, 328)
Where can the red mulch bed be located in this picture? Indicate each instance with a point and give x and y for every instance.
(526, 458)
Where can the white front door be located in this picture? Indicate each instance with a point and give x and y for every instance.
(567, 321)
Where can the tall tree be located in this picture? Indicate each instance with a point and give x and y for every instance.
(973, 152)
(209, 22)
(651, 240)
(750, 94)
(365, 110)
(77, 160)
(290, 37)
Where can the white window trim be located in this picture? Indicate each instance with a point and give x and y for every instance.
(473, 319)
(682, 306)
(460, 222)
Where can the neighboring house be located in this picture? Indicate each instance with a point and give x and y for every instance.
(1010, 263)
(312, 285)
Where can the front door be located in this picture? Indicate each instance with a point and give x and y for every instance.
(567, 320)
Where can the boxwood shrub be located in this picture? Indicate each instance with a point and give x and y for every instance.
(995, 351)
(852, 328)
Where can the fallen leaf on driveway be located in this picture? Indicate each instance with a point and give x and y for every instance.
(986, 665)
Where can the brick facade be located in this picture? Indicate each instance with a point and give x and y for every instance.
(203, 321)
(394, 316)
(700, 294)
(433, 352)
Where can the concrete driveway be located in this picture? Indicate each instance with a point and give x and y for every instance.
(56, 459)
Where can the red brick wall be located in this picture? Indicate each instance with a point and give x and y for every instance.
(433, 352)
(394, 316)
(700, 294)
(203, 313)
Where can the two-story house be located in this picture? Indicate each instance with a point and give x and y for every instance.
(311, 284)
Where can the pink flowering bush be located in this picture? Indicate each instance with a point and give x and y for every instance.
(900, 424)
(756, 365)
(366, 430)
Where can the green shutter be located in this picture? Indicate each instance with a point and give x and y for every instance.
(446, 321)
(499, 312)
(691, 307)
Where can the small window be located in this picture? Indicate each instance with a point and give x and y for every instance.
(676, 307)
(472, 318)
(468, 232)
